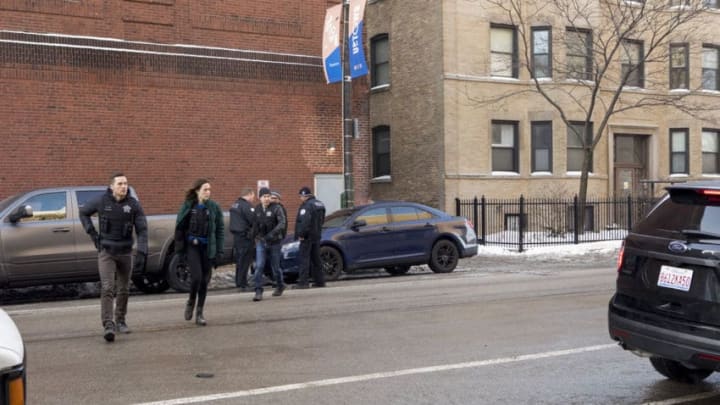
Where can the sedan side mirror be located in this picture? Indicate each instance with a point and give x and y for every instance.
(358, 223)
(23, 211)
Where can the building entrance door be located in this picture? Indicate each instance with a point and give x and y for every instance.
(630, 164)
(328, 188)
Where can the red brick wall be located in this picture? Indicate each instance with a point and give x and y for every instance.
(73, 115)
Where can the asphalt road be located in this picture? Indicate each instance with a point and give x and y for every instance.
(497, 331)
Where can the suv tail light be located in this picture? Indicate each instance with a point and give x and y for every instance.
(711, 195)
(695, 196)
(621, 254)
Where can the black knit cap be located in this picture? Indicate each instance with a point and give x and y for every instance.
(263, 191)
(305, 191)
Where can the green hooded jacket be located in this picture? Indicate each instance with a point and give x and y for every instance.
(216, 228)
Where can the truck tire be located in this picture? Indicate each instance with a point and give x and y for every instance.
(150, 284)
(178, 276)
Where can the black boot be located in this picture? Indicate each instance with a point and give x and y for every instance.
(199, 318)
(189, 310)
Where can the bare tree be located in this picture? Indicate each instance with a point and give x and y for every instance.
(608, 47)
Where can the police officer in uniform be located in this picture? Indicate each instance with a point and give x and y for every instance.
(308, 230)
(118, 215)
(269, 231)
(242, 217)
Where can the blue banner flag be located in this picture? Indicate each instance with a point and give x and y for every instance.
(358, 65)
(332, 63)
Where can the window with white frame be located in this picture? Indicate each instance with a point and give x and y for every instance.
(679, 151)
(631, 62)
(541, 52)
(579, 53)
(710, 68)
(380, 57)
(541, 134)
(576, 145)
(503, 51)
(381, 151)
(504, 146)
(710, 151)
(679, 71)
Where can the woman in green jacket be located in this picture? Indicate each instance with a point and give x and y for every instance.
(199, 233)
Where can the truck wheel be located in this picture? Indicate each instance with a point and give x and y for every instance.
(150, 284)
(178, 276)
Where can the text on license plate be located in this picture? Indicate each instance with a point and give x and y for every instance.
(675, 277)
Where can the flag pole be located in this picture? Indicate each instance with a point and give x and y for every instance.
(348, 200)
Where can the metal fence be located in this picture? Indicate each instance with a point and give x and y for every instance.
(522, 222)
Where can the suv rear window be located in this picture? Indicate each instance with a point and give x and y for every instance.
(669, 218)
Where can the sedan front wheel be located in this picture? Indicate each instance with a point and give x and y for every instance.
(332, 262)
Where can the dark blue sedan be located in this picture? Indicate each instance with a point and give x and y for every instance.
(393, 235)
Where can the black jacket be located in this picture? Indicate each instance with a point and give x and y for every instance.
(309, 220)
(270, 223)
(242, 218)
(116, 220)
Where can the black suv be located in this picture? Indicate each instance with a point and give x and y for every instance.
(667, 303)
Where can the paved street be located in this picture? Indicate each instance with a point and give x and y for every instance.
(511, 330)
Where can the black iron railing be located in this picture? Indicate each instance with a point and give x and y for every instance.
(522, 222)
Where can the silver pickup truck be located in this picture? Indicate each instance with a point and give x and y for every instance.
(43, 242)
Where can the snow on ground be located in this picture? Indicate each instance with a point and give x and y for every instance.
(567, 250)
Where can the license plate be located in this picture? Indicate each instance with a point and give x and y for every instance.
(675, 277)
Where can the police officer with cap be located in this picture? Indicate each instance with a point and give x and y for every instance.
(308, 230)
(118, 215)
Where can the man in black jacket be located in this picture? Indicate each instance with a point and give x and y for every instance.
(308, 230)
(118, 215)
(269, 230)
(242, 217)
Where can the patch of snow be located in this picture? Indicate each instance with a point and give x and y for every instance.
(570, 250)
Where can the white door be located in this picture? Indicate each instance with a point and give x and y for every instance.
(328, 189)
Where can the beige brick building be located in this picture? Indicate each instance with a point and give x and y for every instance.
(451, 119)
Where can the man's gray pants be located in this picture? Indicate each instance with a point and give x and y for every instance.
(115, 272)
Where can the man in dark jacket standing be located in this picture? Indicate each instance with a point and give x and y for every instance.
(118, 215)
(308, 230)
(242, 217)
(269, 230)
